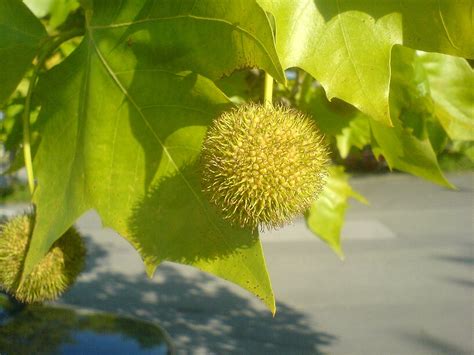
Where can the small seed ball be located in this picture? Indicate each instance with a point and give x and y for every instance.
(263, 165)
(52, 275)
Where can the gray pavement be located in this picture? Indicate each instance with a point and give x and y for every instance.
(405, 287)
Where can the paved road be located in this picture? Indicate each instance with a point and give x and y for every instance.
(406, 286)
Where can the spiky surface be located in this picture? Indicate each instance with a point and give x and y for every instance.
(52, 276)
(262, 166)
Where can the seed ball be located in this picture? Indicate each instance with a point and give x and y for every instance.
(52, 275)
(262, 165)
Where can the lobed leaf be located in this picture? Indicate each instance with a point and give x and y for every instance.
(209, 37)
(346, 45)
(122, 122)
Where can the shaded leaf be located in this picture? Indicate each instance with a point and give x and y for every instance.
(338, 118)
(21, 35)
(437, 136)
(331, 116)
(242, 86)
(208, 37)
(325, 217)
(122, 128)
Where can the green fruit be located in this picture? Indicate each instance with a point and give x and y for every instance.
(52, 276)
(263, 165)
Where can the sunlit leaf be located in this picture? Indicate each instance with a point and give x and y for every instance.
(403, 151)
(326, 215)
(451, 82)
(346, 45)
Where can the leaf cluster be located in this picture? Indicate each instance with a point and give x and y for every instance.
(124, 106)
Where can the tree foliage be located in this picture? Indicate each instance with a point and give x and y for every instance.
(124, 107)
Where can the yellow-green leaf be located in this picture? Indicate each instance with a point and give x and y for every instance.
(122, 122)
(325, 217)
(21, 35)
(451, 82)
(346, 45)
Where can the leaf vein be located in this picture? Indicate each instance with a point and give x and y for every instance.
(150, 127)
(351, 59)
(445, 27)
(146, 107)
(112, 158)
(193, 17)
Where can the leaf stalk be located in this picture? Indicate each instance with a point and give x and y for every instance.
(268, 90)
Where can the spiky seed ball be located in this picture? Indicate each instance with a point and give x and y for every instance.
(263, 165)
(52, 275)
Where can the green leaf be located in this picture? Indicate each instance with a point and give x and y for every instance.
(407, 146)
(326, 215)
(443, 26)
(346, 45)
(337, 118)
(21, 35)
(469, 152)
(56, 10)
(242, 85)
(60, 10)
(331, 116)
(206, 37)
(451, 83)
(437, 136)
(357, 134)
(40, 8)
(122, 127)
(410, 96)
(405, 152)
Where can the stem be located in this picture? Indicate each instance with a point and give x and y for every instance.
(27, 143)
(50, 47)
(268, 93)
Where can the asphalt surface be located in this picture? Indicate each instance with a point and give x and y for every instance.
(405, 287)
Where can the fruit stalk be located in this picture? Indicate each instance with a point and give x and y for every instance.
(268, 90)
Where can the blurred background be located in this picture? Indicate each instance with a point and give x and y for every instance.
(405, 286)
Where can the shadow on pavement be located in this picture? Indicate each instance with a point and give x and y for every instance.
(199, 313)
(464, 259)
(435, 345)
